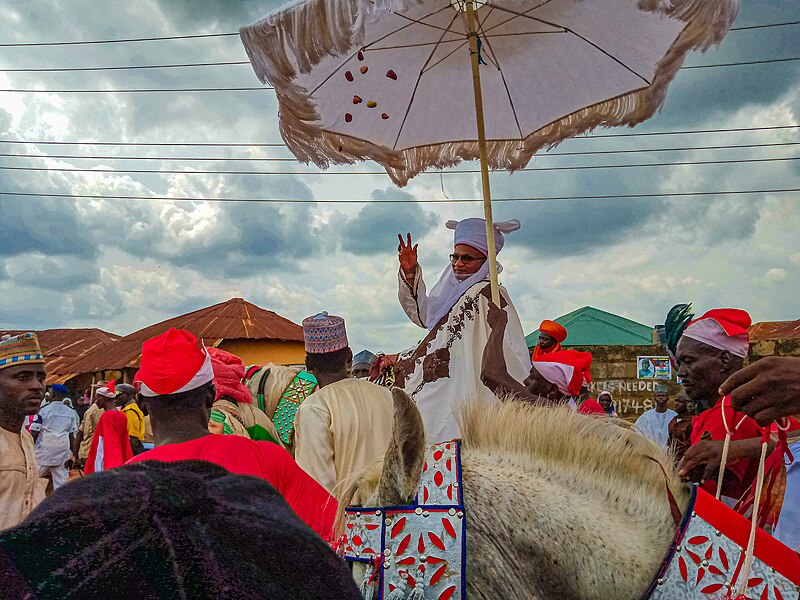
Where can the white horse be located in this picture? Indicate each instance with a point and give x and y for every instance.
(559, 505)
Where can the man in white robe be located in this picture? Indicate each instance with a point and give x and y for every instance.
(654, 423)
(444, 371)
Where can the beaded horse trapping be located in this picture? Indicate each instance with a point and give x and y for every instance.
(415, 552)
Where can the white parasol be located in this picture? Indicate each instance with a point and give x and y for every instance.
(425, 84)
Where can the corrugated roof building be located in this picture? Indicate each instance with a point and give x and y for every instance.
(256, 335)
(775, 330)
(589, 326)
(63, 347)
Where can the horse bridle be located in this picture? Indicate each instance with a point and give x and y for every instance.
(262, 383)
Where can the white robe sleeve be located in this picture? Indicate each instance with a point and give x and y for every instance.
(413, 299)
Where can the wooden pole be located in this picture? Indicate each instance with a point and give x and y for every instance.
(487, 192)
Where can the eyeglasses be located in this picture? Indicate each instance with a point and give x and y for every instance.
(465, 258)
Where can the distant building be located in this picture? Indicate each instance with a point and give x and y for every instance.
(589, 326)
(62, 347)
(774, 338)
(256, 335)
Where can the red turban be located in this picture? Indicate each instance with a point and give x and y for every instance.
(722, 328)
(553, 329)
(228, 375)
(565, 369)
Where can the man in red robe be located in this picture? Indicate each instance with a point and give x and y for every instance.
(175, 381)
(711, 349)
(551, 335)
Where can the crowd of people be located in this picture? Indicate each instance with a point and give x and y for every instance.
(174, 470)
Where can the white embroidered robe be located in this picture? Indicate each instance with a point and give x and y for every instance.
(444, 371)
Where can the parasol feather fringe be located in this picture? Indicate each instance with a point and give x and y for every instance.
(292, 41)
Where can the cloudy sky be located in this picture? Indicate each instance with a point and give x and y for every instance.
(123, 264)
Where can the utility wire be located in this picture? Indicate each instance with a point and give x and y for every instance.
(397, 201)
(294, 160)
(244, 62)
(281, 145)
(446, 172)
(235, 33)
(141, 90)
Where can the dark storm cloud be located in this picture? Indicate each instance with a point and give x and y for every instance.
(255, 237)
(212, 15)
(30, 224)
(700, 94)
(571, 227)
(63, 274)
(374, 229)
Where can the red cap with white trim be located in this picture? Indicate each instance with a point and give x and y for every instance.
(565, 369)
(172, 363)
(722, 328)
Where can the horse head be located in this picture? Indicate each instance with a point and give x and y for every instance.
(557, 504)
(272, 380)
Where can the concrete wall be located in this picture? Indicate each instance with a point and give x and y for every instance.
(774, 348)
(261, 352)
(614, 369)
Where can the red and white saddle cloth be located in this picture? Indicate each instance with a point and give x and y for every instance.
(708, 556)
(415, 552)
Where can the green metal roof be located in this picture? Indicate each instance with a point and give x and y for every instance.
(589, 326)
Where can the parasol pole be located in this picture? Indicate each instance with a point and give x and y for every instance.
(487, 193)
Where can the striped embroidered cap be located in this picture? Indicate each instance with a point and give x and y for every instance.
(20, 349)
(324, 333)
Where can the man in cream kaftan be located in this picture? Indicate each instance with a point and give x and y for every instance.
(444, 371)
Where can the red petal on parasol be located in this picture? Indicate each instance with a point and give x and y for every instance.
(448, 527)
(438, 575)
(436, 540)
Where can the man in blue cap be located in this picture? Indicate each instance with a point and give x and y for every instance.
(362, 363)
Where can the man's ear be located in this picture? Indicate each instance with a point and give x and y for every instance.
(725, 360)
(554, 392)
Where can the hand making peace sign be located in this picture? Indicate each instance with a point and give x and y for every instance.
(407, 255)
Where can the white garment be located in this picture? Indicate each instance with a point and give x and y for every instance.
(59, 474)
(788, 528)
(444, 371)
(55, 423)
(655, 425)
(342, 429)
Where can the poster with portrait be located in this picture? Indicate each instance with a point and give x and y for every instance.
(653, 367)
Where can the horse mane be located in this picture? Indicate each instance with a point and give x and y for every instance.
(608, 452)
(589, 452)
(279, 379)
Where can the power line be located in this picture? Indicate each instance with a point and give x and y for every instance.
(121, 40)
(744, 63)
(446, 172)
(281, 145)
(141, 90)
(397, 201)
(294, 160)
(126, 67)
(236, 33)
(244, 62)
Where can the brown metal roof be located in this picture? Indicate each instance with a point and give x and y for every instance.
(234, 319)
(62, 347)
(775, 330)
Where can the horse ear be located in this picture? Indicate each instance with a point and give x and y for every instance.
(402, 466)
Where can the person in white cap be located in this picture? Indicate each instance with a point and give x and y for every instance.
(175, 381)
(346, 424)
(444, 371)
(105, 399)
